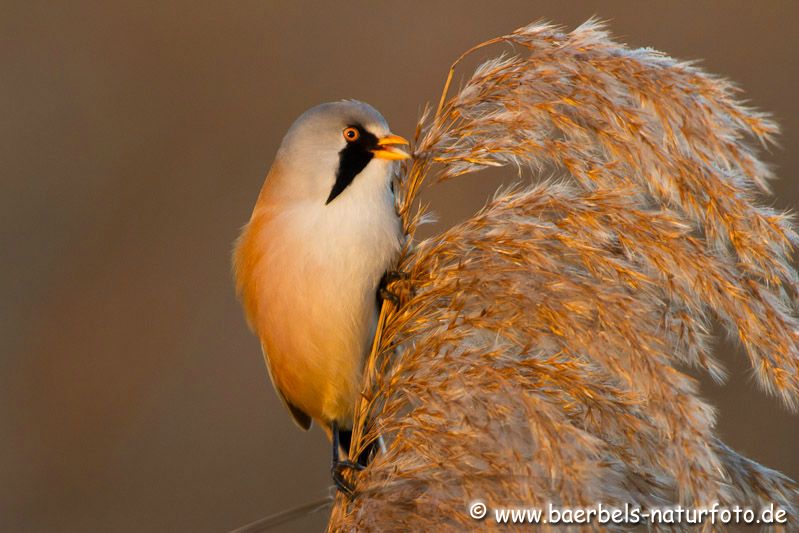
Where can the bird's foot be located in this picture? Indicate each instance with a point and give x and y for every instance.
(388, 278)
(386, 294)
(337, 473)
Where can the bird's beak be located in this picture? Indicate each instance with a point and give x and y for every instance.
(387, 150)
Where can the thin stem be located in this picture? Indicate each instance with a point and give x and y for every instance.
(265, 524)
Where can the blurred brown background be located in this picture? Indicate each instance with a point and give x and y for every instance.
(134, 139)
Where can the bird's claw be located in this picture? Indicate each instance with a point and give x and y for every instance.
(388, 278)
(336, 472)
(386, 294)
(341, 484)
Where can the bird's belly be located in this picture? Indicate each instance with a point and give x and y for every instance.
(319, 313)
(316, 342)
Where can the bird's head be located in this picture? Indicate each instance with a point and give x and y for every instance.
(330, 146)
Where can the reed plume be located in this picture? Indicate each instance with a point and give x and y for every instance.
(539, 349)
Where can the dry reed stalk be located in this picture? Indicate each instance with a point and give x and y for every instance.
(536, 355)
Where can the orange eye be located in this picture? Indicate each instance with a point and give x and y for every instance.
(351, 134)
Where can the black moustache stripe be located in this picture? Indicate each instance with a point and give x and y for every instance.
(353, 158)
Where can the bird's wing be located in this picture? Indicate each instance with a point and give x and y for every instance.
(245, 259)
(539, 354)
(300, 417)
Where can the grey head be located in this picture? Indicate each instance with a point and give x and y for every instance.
(330, 145)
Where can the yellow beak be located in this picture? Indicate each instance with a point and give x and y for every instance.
(387, 150)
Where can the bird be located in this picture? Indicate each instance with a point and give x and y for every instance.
(310, 263)
(536, 352)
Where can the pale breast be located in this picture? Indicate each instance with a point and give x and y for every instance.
(315, 277)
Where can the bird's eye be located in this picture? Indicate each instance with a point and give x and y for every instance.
(351, 134)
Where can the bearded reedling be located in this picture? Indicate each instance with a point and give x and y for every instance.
(534, 354)
(309, 263)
